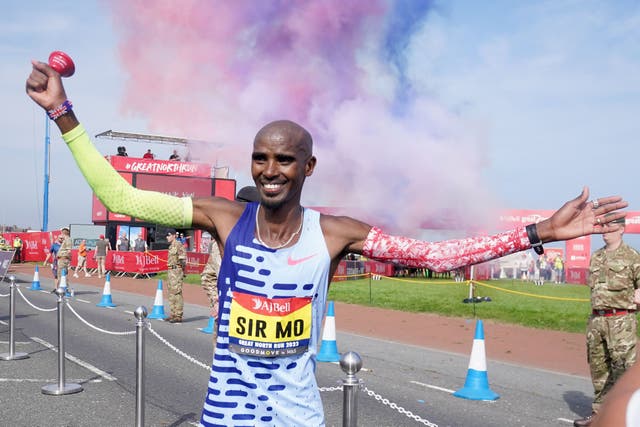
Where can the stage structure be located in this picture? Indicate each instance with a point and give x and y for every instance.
(177, 178)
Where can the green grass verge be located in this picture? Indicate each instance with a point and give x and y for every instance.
(556, 307)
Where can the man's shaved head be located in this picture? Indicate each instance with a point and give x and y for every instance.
(286, 129)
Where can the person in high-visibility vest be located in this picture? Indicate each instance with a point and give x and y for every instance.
(17, 246)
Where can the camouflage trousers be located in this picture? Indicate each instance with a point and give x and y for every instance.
(611, 350)
(209, 281)
(174, 288)
(63, 264)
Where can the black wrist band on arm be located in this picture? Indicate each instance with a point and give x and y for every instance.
(536, 243)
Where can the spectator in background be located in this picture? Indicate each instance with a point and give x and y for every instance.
(548, 268)
(558, 266)
(53, 256)
(82, 259)
(17, 246)
(122, 151)
(175, 156)
(538, 278)
(140, 245)
(102, 249)
(64, 253)
(176, 262)
(148, 155)
(122, 244)
(184, 240)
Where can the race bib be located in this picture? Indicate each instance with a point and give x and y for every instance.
(265, 327)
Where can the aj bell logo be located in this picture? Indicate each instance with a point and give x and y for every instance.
(270, 307)
(146, 260)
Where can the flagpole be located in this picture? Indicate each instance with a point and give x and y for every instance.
(45, 205)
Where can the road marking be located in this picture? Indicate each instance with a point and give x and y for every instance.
(128, 311)
(4, 323)
(566, 420)
(82, 363)
(15, 342)
(45, 380)
(435, 387)
(83, 300)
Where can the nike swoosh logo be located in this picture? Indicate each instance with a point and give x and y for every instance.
(292, 261)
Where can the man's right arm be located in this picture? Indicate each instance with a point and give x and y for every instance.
(44, 86)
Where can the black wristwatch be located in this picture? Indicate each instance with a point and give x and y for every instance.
(536, 243)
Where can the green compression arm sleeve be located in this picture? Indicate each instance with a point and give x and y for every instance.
(118, 195)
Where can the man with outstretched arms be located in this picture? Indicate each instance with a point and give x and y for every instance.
(279, 258)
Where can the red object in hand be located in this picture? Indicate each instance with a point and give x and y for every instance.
(62, 63)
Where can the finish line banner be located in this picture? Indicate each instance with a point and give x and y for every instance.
(5, 262)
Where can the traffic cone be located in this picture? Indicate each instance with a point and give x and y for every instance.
(329, 348)
(35, 285)
(63, 282)
(476, 386)
(106, 293)
(209, 328)
(158, 306)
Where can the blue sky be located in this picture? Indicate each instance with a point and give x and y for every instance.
(550, 90)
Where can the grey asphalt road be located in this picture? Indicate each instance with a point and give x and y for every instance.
(403, 385)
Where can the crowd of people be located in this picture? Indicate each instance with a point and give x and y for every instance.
(544, 268)
(149, 155)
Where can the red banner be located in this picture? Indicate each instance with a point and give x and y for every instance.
(35, 246)
(196, 262)
(160, 167)
(576, 275)
(142, 262)
(578, 253)
(382, 268)
(137, 262)
(513, 218)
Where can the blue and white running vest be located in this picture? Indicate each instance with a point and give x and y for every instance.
(271, 309)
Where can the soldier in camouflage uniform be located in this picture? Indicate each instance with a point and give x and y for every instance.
(64, 253)
(176, 262)
(614, 275)
(209, 278)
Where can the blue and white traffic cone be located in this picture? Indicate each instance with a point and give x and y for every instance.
(158, 306)
(210, 326)
(35, 285)
(63, 283)
(476, 386)
(106, 293)
(329, 348)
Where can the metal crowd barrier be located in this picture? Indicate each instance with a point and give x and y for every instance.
(350, 362)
